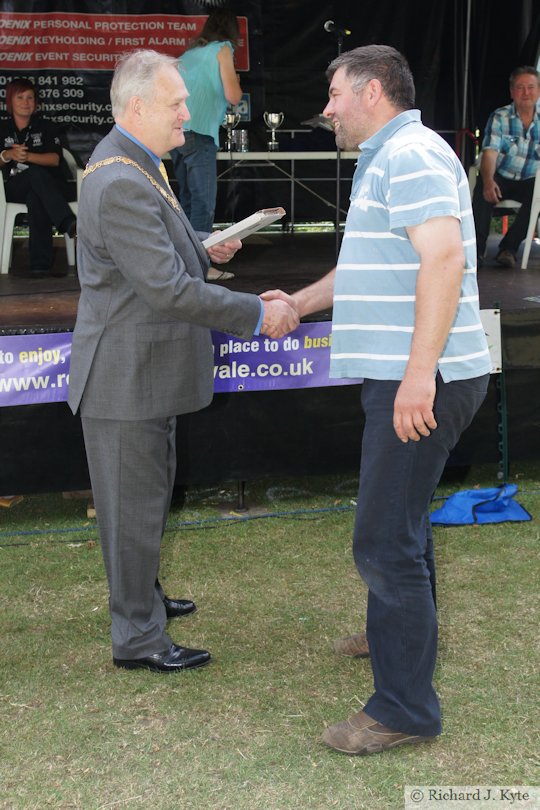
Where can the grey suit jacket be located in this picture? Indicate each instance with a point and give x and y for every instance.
(142, 345)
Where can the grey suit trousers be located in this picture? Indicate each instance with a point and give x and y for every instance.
(132, 467)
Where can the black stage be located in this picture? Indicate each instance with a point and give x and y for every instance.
(243, 436)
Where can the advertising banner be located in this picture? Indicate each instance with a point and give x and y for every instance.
(35, 368)
(72, 41)
(300, 360)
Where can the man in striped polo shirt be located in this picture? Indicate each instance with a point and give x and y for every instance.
(406, 320)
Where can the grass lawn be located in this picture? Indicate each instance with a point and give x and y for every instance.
(273, 593)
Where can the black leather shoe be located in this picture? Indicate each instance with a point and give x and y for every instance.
(178, 607)
(175, 659)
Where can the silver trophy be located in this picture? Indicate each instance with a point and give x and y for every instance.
(273, 121)
(231, 120)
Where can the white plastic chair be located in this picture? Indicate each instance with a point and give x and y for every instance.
(9, 212)
(76, 174)
(533, 222)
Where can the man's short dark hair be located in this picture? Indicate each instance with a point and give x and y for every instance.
(380, 62)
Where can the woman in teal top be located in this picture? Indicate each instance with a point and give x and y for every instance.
(208, 71)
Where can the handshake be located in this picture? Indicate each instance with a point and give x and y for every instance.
(281, 313)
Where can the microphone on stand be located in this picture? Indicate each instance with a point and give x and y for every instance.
(331, 28)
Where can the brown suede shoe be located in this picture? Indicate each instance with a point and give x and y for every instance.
(361, 735)
(355, 646)
(506, 258)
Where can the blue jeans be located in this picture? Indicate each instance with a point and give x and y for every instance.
(195, 170)
(393, 549)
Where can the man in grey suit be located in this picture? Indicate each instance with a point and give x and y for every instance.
(142, 350)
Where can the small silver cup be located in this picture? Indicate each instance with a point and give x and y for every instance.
(273, 121)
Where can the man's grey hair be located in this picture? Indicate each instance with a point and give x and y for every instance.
(523, 70)
(134, 75)
(378, 62)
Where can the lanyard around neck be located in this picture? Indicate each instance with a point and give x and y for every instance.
(27, 129)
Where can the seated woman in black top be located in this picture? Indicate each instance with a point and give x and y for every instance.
(30, 159)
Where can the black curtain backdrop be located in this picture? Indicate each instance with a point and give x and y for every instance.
(431, 35)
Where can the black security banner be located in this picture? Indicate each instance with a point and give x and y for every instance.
(70, 56)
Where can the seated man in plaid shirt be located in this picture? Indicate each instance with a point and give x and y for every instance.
(510, 158)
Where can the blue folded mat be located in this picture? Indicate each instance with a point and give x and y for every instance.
(491, 505)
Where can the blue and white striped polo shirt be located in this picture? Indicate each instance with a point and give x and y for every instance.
(406, 174)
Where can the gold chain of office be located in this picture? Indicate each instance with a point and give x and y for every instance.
(121, 159)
